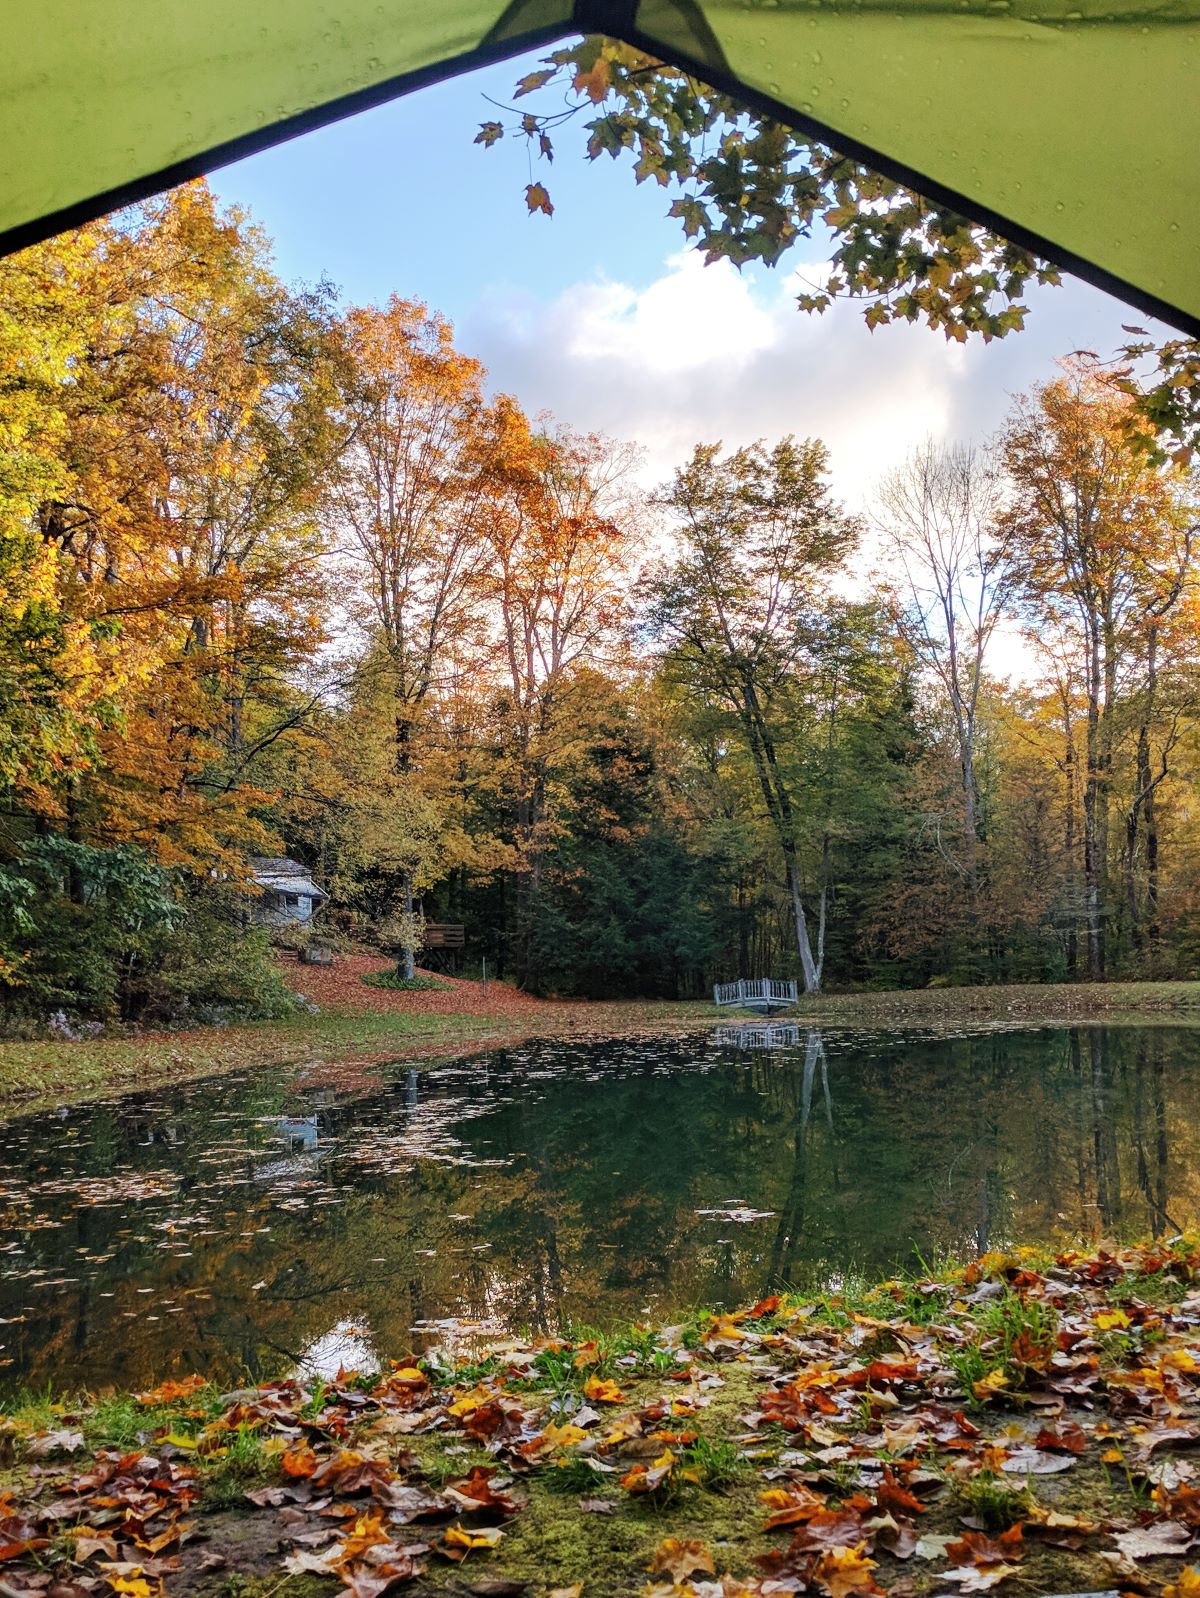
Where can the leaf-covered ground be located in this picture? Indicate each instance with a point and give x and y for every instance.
(1028, 1424)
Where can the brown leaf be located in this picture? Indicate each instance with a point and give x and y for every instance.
(475, 1494)
(1068, 1438)
(977, 1548)
(893, 1499)
(680, 1558)
(537, 199)
(846, 1571)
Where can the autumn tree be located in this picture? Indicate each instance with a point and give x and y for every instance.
(749, 188)
(560, 533)
(738, 614)
(949, 573)
(1104, 546)
(408, 505)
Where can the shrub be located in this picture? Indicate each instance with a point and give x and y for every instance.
(421, 983)
(74, 919)
(211, 968)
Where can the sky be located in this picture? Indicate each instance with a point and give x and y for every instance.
(603, 317)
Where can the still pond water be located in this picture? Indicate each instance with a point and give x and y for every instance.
(245, 1225)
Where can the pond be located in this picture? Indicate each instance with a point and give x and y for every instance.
(246, 1225)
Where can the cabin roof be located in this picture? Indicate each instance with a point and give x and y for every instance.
(285, 876)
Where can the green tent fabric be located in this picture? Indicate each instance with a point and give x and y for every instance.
(1071, 125)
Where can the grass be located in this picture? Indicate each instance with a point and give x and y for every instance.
(397, 984)
(999, 1504)
(52, 1070)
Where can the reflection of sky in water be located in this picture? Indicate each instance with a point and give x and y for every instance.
(344, 1347)
(250, 1224)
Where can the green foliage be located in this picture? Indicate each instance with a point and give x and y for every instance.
(73, 918)
(421, 983)
(104, 934)
(241, 1463)
(749, 189)
(209, 968)
(998, 1503)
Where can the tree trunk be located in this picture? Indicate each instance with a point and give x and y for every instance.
(1070, 763)
(406, 966)
(1094, 829)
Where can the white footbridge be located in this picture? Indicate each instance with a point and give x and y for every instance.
(763, 994)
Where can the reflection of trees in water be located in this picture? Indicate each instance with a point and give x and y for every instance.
(791, 1216)
(864, 1150)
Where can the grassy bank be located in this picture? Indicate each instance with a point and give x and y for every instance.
(53, 1070)
(359, 1025)
(1041, 1003)
(1023, 1423)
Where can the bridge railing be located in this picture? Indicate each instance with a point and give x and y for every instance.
(755, 990)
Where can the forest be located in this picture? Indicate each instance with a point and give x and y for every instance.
(279, 575)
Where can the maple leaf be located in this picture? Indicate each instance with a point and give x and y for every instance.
(1186, 1586)
(366, 1533)
(537, 198)
(1069, 1437)
(680, 1559)
(831, 1528)
(170, 1392)
(1163, 1540)
(457, 1541)
(892, 1498)
(648, 1478)
(790, 1506)
(475, 1493)
(988, 1386)
(298, 1462)
(845, 1571)
(977, 1548)
(594, 83)
(597, 1390)
(979, 1578)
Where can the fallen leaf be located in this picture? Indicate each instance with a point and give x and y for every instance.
(679, 1559)
(980, 1578)
(1036, 1462)
(846, 1571)
(1164, 1540)
(600, 1391)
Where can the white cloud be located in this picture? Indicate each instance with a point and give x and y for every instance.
(705, 353)
(708, 353)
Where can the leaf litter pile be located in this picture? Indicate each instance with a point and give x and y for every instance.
(1030, 1423)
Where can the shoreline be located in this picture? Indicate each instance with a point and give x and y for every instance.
(367, 1027)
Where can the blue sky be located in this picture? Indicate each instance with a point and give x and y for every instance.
(401, 198)
(601, 316)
